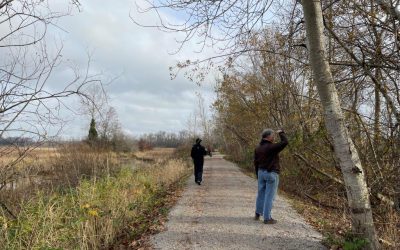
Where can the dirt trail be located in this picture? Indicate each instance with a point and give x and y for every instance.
(219, 215)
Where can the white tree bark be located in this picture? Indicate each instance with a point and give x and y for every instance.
(352, 170)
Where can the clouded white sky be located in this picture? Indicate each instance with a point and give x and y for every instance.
(144, 96)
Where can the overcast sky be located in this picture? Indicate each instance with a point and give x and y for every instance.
(145, 97)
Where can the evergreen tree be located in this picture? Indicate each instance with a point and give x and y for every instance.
(92, 131)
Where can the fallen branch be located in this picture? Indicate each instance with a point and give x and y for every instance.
(318, 170)
(379, 196)
(319, 203)
(7, 210)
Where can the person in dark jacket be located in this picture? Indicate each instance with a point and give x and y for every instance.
(266, 164)
(197, 154)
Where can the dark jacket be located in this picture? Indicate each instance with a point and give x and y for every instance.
(266, 155)
(198, 153)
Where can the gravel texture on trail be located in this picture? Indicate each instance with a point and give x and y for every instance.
(219, 215)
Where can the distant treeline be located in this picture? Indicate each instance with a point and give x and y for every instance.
(19, 141)
(166, 139)
(159, 139)
(28, 141)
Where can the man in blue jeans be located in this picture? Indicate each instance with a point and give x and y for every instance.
(266, 163)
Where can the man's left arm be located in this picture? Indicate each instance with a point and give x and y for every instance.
(278, 147)
(205, 152)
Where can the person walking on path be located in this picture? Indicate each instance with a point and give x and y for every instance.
(197, 154)
(266, 163)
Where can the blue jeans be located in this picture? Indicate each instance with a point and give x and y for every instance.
(267, 188)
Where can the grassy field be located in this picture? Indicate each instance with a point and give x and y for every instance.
(113, 202)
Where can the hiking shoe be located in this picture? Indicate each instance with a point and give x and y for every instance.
(270, 221)
(257, 216)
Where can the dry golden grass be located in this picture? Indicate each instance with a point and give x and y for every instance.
(34, 160)
(96, 211)
(46, 169)
(34, 153)
(47, 160)
(156, 153)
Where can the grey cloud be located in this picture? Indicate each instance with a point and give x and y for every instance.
(144, 96)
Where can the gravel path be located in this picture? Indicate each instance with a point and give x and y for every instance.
(219, 215)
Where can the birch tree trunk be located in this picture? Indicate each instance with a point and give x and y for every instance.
(394, 11)
(352, 170)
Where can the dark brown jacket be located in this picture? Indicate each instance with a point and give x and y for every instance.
(266, 155)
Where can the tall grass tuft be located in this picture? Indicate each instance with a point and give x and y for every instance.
(93, 214)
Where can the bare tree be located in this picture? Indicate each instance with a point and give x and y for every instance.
(28, 102)
(95, 101)
(192, 125)
(30, 99)
(204, 120)
(109, 125)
